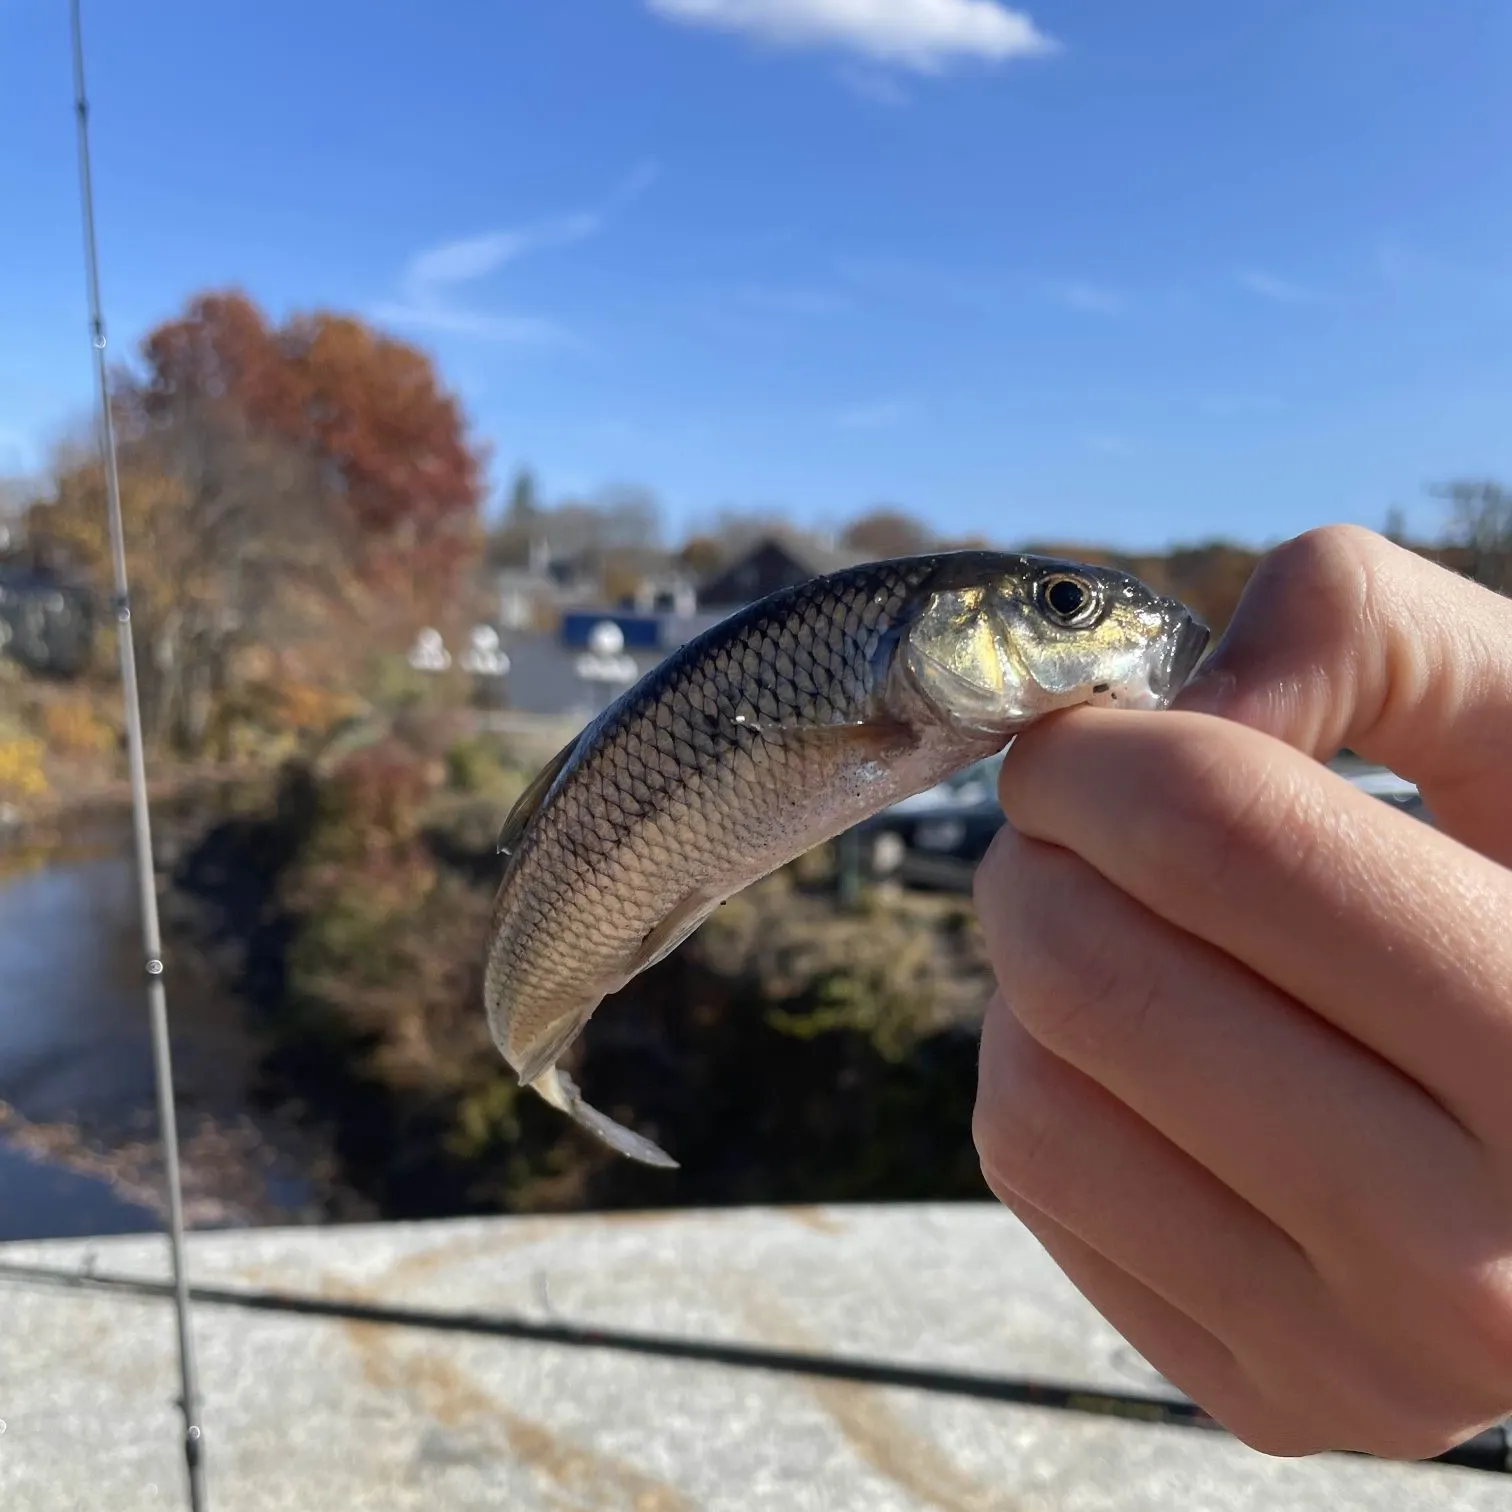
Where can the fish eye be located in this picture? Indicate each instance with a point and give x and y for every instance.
(1070, 601)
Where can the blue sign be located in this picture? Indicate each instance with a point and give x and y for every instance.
(642, 632)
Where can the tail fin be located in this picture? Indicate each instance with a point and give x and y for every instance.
(561, 1092)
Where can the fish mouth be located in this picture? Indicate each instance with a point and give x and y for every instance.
(1186, 651)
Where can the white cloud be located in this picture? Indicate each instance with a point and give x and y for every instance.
(920, 34)
(1268, 286)
(478, 256)
(435, 273)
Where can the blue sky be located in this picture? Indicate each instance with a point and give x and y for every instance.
(1138, 273)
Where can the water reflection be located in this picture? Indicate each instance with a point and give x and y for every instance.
(71, 1036)
(74, 1045)
(39, 1199)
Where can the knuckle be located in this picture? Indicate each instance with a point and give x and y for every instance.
(1068, 991)
(992, 881)
(1085, 1010)
(1022, 891)
(1012, 1150)
(1321, 575)
(1014, 1131)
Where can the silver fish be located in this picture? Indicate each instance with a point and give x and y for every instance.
(772, 732)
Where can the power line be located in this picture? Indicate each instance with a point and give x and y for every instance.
(157, 1003)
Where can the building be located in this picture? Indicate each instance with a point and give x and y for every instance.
(47, 623)
(771, 564)
(562, 671)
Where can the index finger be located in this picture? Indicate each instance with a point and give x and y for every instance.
(1343, 639)
(1391, 931)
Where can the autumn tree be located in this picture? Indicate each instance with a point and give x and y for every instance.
(701, 556)
(227, 548)
(1209, 579)
(306, 484)
(389, 442)
(886, 532)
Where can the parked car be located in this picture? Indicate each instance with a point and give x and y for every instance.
(936, 838)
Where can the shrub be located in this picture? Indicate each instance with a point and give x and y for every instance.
(74, 727)
(21, 772)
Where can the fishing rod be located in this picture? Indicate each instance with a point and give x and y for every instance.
(1489, 1451)
(157, 1002)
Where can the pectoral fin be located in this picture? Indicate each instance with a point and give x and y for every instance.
(561, 1092)
(662, 940)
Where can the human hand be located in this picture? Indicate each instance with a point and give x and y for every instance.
(1248, 1075)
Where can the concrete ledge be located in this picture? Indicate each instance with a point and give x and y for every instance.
(317, 1415)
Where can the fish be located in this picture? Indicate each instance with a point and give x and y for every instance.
(775, 730)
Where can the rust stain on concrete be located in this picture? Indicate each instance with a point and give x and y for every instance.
(895, 1451)
(877, 1434)
(814, 1218)
(425, 1262)
(453, 1400)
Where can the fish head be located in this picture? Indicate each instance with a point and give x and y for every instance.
(1026, 635)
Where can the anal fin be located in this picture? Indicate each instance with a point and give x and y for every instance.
(561, 1092)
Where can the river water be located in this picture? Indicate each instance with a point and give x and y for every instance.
(75, 1053)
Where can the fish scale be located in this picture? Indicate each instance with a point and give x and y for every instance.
(779, 727)
(695, 714)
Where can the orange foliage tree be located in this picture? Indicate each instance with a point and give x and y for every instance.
(390, 442)
(295, 496)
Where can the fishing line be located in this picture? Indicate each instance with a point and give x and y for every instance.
(157, 1003)
(1489, 1451)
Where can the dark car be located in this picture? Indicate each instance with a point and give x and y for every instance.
(936, 838)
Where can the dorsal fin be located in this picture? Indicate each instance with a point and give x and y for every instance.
(534, 795)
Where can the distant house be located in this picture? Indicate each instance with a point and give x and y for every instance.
(533, 595)
(664, 593)
(768, 566)
(642, 581)
(557, 671)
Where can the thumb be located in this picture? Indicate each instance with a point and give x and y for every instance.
(1342, 639)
